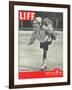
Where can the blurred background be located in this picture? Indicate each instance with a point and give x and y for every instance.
(56, 18)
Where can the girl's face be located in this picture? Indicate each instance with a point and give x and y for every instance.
(36, 24)
(46, 23)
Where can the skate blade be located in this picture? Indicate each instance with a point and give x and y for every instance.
(42, 69)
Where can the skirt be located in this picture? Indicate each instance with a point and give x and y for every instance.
(45, 44)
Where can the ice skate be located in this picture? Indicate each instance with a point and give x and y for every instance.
(44, 66)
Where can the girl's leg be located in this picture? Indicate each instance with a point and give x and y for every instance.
(44, 58)
(44, 54)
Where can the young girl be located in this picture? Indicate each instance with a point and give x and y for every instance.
(42, 35)
(47, 25)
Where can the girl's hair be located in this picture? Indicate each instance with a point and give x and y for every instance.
(39, 20)
(47, 20)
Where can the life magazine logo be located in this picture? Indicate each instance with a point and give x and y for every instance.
(26, 15)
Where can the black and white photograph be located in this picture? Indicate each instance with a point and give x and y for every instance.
(39, 44)
(40, 41)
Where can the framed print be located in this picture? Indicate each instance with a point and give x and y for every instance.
(39, 44)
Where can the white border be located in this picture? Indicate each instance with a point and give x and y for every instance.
(44, 80)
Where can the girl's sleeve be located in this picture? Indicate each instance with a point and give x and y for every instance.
(32, 39)
(50, 29)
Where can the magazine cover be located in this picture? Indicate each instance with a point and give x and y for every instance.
(40, 44)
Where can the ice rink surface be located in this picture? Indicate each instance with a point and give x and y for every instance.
(30, 57)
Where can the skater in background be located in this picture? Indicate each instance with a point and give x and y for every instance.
(42, 33)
